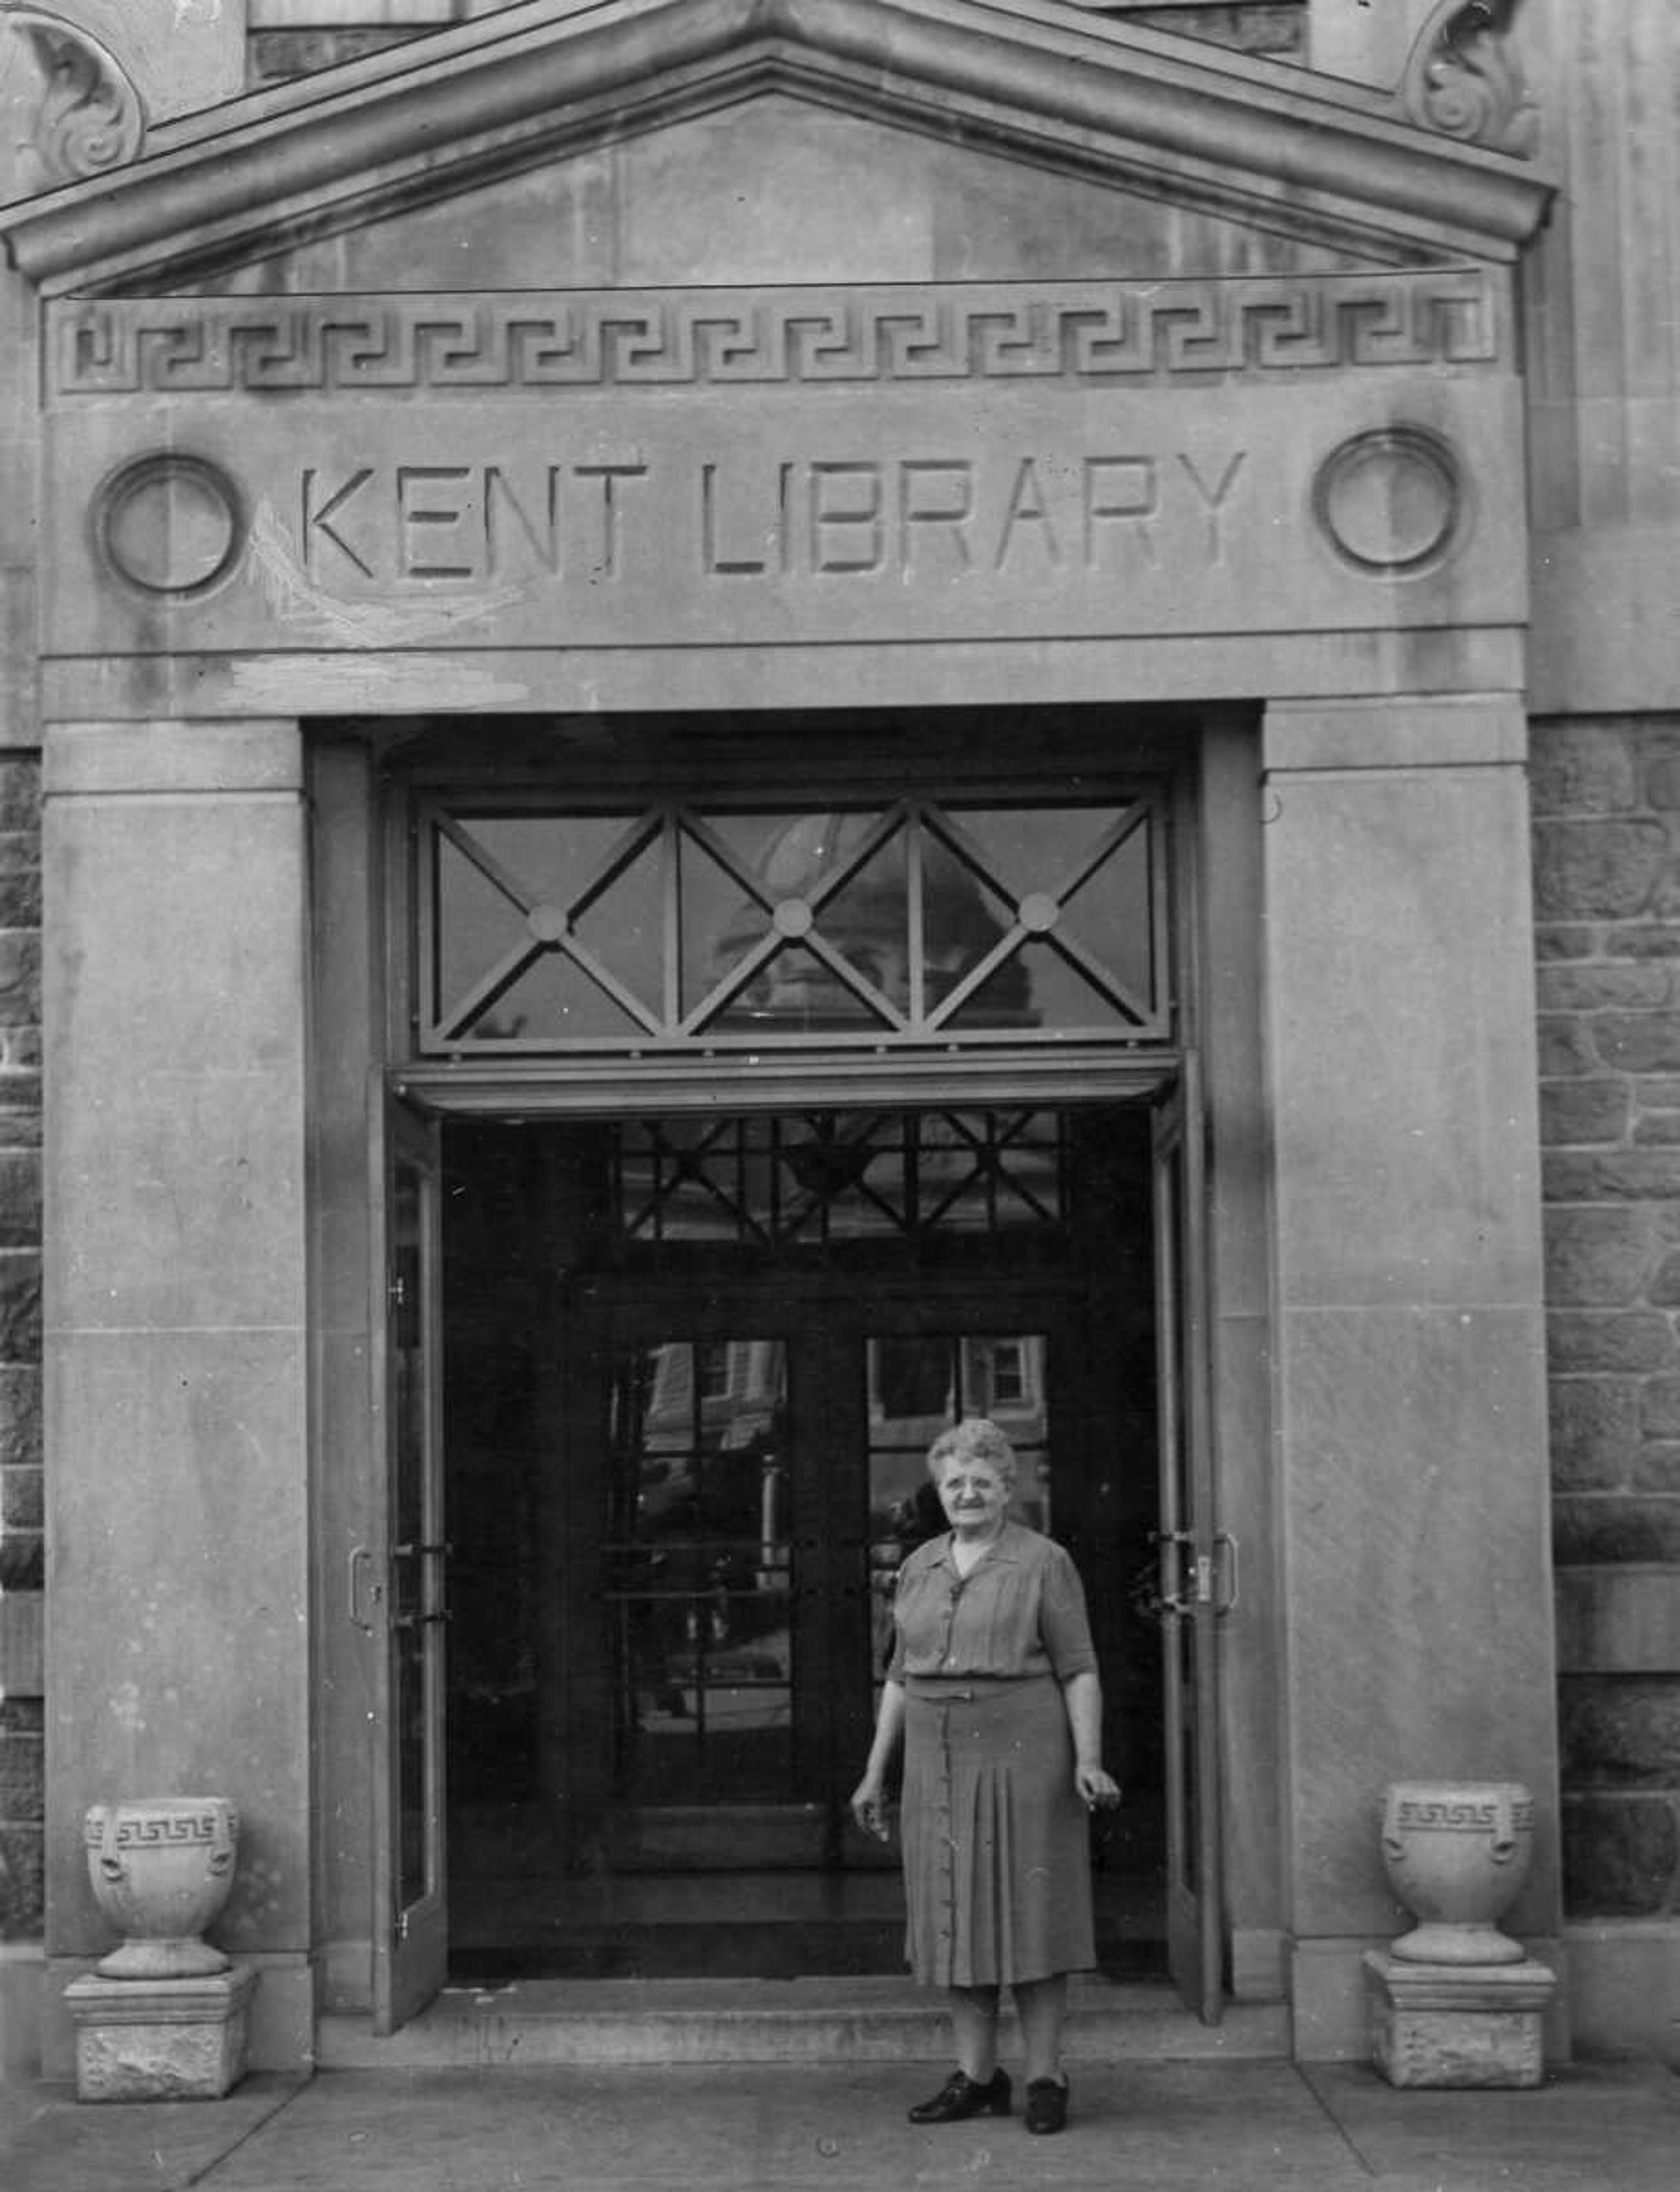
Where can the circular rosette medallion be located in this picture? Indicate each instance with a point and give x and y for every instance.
(1391, 503)
(170, 526)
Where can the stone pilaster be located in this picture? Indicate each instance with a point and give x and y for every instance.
(1410, 1369)
(177, 1386)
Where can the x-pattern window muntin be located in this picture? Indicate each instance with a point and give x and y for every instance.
(910, 926)
(768, 1180)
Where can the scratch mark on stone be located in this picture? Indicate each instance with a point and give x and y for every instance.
(294, 597)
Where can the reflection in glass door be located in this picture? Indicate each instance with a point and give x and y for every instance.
(919, 1384)
(700, 1571)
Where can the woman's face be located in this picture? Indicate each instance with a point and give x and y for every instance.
(973, 1493)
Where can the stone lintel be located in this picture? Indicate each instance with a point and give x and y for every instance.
(99, 759)
(1465, 730)
(477, 681)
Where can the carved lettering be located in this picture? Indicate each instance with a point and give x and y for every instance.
(935, 493)
(846, 505)
(413, 518)
(940, 520)
(317, 518)
(771, 531)
(1120, 491)
(463, 524)
(1215, 497)
(542, 537)
(609, 475)
(1028, 506)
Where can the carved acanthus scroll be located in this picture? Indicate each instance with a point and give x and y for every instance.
(85, 116)
(1465, 77)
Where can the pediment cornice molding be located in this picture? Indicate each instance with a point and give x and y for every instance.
(1271, 145)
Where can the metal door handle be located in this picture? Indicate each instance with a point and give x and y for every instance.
(367, 1592)
(1213, 1575)
(1224, 1542)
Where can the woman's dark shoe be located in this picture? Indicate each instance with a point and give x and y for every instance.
(1046, 2104)
(960, 2096)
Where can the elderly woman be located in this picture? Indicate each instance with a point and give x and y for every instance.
(994, 1688)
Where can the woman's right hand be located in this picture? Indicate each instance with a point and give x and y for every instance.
(868, 1808)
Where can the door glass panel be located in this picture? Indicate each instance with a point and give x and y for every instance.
(1176, 1563)
(919, 1385)
(1183, 1645)
(410, 1568)
(700, 1569)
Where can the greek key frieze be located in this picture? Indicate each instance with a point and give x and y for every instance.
(160, 1828)
(1081, 332)
(1463, 1816)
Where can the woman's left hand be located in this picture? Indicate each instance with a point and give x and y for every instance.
(1098, 1791)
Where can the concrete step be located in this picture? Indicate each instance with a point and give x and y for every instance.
(813, 2020)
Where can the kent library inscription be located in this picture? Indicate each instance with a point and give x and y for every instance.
(955, 462)
(828, 517)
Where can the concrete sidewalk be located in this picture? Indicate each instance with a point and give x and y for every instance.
(1176, 2127)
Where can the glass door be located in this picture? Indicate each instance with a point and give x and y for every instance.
(712, 1621)
(398, 1591)
(694, 1370)
(760, 1490)
(1187, 1588)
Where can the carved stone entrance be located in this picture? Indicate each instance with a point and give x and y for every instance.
(1077, 370)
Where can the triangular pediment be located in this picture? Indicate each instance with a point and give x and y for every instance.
(777, 133)
(778, 189)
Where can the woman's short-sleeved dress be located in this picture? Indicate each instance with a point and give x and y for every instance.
(997, 1855)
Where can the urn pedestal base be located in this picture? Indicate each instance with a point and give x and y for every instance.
(1457, 2024)
(161, 2040)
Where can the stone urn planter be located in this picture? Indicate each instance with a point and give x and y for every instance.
(1457, 1854)
(161, 1869)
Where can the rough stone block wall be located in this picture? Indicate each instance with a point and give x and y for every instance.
(21, 1808)
(1606, 876)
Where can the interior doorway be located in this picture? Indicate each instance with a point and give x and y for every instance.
(693, 1364)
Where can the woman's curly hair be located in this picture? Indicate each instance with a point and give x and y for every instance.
(975, 1438)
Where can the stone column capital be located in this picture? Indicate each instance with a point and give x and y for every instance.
(179, 56)
(1408, 731)
(94, 759)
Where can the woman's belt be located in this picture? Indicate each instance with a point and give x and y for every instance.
(968, 1689)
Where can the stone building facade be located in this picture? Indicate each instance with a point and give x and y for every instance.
(1585, 716)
